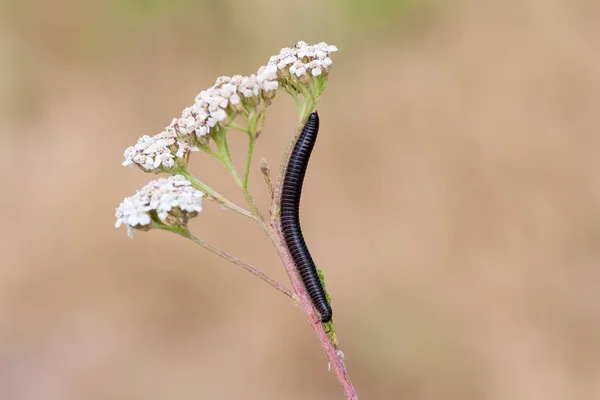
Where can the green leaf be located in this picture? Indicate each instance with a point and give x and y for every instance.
(329, 327)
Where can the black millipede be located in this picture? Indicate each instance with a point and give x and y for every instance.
(290, 216)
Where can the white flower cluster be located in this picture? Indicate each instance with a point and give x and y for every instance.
(173, 199)
(226, 98)
(228, 95)
(153, 152)
(301, 60)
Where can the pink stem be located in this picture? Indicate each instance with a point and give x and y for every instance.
(312, 316)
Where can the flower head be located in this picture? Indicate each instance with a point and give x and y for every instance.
(297, 64)
(217, 105)
(171, 201)
(161, 152)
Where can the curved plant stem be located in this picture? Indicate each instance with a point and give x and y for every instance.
(206, 148)
(213, 194)
(185, 232)
(238, 127)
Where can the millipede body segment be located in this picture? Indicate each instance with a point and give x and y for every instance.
(290, 216)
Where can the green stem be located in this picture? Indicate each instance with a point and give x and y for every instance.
(228, 163)
(253, 127)
(239, 127)
(295, 97)
(206, 148)
(251, 143)
(215, 195)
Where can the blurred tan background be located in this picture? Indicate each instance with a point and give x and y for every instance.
(453, 201)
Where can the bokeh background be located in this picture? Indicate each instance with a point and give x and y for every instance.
(453, 201)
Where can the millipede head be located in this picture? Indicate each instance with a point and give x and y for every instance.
(326, 315)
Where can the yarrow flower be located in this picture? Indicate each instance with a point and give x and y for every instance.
(298, 64)
(227, 97)
(171, 201)
(216, 107)
(160, 152)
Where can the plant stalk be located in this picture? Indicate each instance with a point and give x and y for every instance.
(307, 307)
(253, 270)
